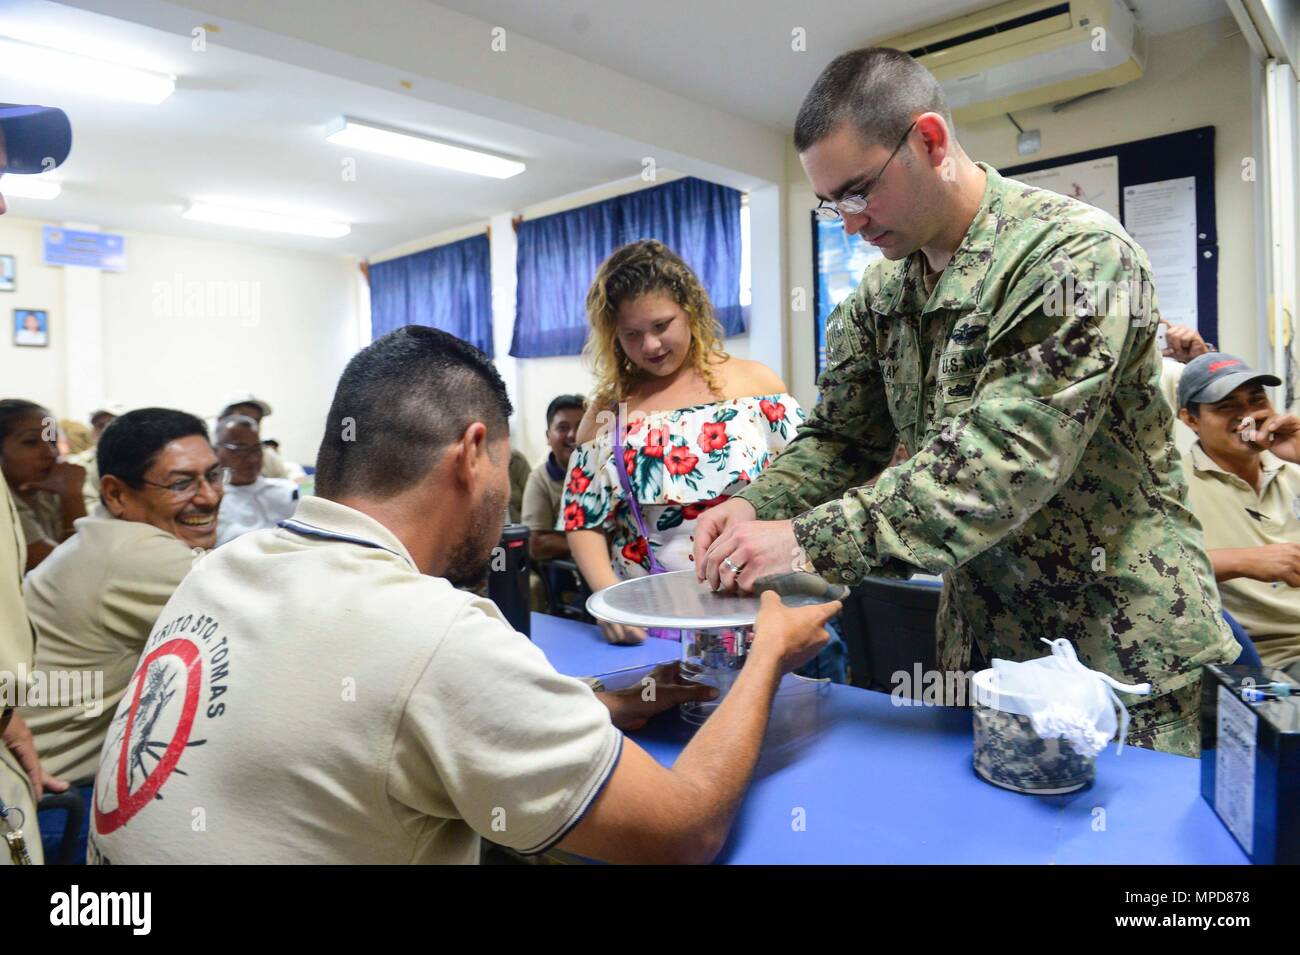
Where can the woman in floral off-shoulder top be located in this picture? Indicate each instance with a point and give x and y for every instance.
(700, 425)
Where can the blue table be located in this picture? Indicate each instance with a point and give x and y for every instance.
(579, 649)
(873, 782)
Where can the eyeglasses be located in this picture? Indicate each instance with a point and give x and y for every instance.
(829, 211)
(241, 448)
(187, 488)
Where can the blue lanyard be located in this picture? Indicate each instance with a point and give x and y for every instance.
(320, 533)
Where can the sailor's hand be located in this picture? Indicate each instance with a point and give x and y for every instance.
(744, 552)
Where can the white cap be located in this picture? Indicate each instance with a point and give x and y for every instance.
(245, 398)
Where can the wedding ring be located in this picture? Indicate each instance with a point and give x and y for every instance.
(726, 562)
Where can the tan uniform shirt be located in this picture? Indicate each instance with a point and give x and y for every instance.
(519, 470)
(273, 465)
(42, 517)
(93, 602)
(542, 497)
(15, 657)
(1233, 515)
(320, 700)
(88, 459)
(15, 632)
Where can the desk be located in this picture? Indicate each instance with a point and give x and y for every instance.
(580, 649)
(886, 784)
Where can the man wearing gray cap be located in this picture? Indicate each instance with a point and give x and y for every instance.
(1244, 487)
(32, 140)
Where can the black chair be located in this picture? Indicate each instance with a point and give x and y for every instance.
(69, 802)
(566, 591)
(888, 626)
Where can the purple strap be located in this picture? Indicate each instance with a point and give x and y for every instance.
(626, 482)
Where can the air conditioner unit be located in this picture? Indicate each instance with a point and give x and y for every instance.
(1028, 52)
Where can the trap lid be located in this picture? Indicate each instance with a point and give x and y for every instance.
(677, 600)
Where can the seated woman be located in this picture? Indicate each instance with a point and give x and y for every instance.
(46, 491)
(699, 424)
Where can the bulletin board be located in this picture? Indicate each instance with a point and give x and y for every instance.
(1185, 159)
(1161, 159)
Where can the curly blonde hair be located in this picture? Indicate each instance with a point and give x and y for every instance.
(634, 270)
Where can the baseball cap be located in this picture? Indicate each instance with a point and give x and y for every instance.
(245, 398)
(1214, 376)
(37, 138)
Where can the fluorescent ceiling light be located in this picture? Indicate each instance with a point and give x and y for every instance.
(266, 221)
(29, 187)
(44, 64)
(390, 142)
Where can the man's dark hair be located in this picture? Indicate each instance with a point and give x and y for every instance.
(131, 442)
(564, 403)
(400, 401)
(878, 90)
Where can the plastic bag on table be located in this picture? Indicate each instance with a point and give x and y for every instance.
(1064, 699)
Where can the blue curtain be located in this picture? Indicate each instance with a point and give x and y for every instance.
(448, 287)
(558, 256)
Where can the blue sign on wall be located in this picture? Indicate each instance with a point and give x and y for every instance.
(96, 250)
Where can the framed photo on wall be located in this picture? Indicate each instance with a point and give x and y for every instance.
(31, 327)
(8, 273)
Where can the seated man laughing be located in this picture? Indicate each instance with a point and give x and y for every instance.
(94, 600)
(1244, 487)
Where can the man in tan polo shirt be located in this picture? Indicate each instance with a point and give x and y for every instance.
(322, 692)
(94, 600)
(1244, 487)
(542, 493)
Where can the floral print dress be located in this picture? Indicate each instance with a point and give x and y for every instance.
(680, 463)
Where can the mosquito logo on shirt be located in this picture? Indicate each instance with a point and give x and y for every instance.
(183, 662)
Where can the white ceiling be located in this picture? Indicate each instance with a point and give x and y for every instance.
(736, 55)
(249, 130)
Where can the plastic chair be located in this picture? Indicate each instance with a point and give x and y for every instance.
(1249, 655)
(71, 802)
(561, 577)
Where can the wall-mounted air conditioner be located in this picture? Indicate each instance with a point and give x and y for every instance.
(1028, 52)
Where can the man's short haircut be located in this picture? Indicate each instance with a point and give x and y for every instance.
(400, 401)
(878, 90)
(131, 442)
(564, 403)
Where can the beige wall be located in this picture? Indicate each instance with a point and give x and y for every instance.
(36, 374)
(287, 339)
(1195, 77)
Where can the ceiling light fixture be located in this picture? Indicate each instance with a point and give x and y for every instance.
(265, 221)
(400, 145)
(29, 187)
(45, 64)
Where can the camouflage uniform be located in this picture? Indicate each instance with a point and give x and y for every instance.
(1045, 486)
